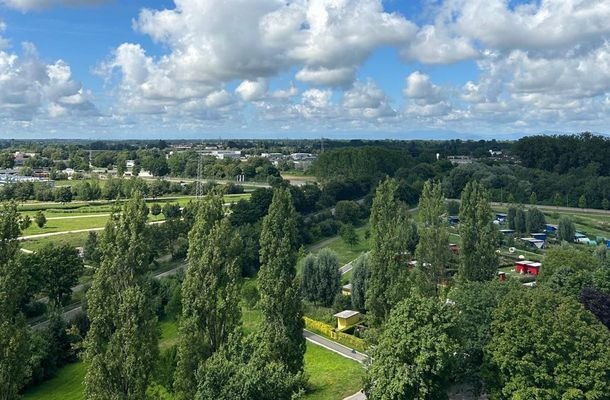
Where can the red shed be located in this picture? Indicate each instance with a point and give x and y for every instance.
(527, 267)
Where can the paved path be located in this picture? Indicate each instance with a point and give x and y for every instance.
(334, 347)
(550, 208)
(78, 216)
(357, 396)
(74, 309)
(346, 268)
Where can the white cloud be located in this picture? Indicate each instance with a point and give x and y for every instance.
(434, 45)
(27, 5)
(252, 90)
(220, 98)
(291, 91)
(29, 88)
(367, 100)
(419, 87)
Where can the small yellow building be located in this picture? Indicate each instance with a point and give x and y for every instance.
(346, 290)
(347, 318)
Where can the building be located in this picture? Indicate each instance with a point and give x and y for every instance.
(501, 217)
(550, 228)
(226, 154)
(502, 276)
(347, 318)
(507, 232)
(453, 219)
(460, 160)
(454, 248)
(346, 290)
(534, 243)
(528, 267)
(539, 236)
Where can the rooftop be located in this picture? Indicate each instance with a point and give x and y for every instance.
(346, 314)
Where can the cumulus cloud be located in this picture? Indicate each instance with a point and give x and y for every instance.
(420, 87)
(28, 5)
(367, 100)
(30, 88)
(252, 90)
(434, 45)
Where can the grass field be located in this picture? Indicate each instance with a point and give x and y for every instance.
(345, 252)
(73, 239)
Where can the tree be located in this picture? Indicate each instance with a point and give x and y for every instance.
(511, 216)
(479, 261)
(121, 345)
(541, 331)
(566, 230)
(321, 277)
(349, 235)
(90, 250)
(605, 204)
(598, 303)
(63, 194)
(388, 281)
(567, 257)
(557, 201)
(60, 266)
(360, 276)
(520, 224)
(582, 201)
(25, 222)
(210, 293)
(535, 220)
(533, 198)
(280, 302)
(432, 252)
(155, 209)
(40, 219)
(171, 211)
(14, 340)
(475, 303)
(414, 365)
(347, 211)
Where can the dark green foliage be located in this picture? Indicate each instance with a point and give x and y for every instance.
(155, 209)
(349, 235)
(453, 207)
(360, 277)
(60, 267)
(40, 219)
(210, 293)
(478, 259)
(278, 286)
(391, 236)
(432, 251)
(121, 345)
(14, 340)
(171, 211)
(415, 351)
(566, 230)
(347, 211)
(598, 303)
(321, 277)
(543, 346)
(511, 216)
(535, 220)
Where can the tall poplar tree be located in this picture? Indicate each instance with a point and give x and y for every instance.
(210, 293)
(14, 343)
(121, 345)
(433, 248)
(479, 261)
(388, 281)
(280, 301)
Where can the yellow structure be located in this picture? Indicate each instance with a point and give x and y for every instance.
(347, 318)
(346, 290)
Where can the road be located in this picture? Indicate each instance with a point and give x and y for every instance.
(346, 268)
(334, 347)
(72, 311)
(551, 208)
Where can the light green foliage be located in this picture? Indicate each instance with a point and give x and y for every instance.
(13, 329)
(349, 235)
(40, 219)
(280, 299)
(391, 235)
(210, 293)
(567, 257)
(533, 198)
(544, 346)
(475, 303)
(414, 353)
(582, 201)
(321, 277)
(479, 261)
(121, 345)
(360, 277)
(432, 252)
(566, 229)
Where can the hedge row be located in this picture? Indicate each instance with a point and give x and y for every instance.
(331, 333)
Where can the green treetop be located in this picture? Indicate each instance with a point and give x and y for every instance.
(121, 344)
(280, 299)
(479, 261)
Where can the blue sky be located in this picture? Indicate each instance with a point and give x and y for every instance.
(303, 68)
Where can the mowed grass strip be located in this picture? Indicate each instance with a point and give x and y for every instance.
(347, 253)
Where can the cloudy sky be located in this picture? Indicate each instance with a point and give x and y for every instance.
(303, 68)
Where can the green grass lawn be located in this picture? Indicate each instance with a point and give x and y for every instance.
(347, 253)
(73, 239)
(331, 376)
(67, 385)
